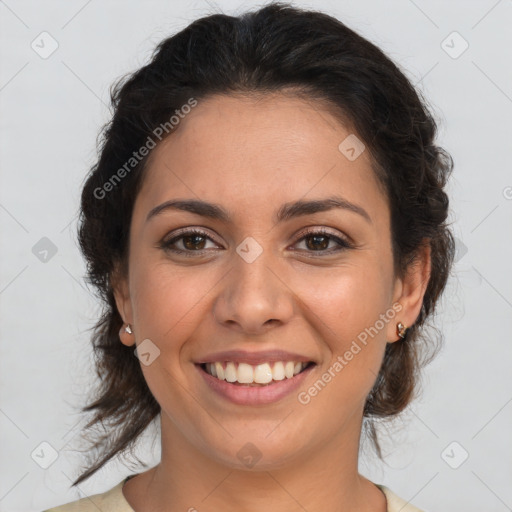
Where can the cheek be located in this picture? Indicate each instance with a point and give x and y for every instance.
(345, 299)
(344, 307)
(169, 305)
(169, 300)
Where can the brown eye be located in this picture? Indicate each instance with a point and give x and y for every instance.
(190, 241)
(194, 242)
(317, 242)
(320, 240)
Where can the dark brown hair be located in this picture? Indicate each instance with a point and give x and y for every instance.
(275, 48)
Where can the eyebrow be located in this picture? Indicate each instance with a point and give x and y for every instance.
(286, 212)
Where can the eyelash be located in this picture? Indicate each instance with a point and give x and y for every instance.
(166, 244)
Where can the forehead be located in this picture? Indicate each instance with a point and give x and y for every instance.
(258, 152)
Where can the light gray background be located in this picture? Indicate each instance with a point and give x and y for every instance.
(51, 112)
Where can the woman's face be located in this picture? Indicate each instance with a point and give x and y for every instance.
(263, 278)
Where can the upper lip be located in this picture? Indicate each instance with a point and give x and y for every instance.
(253, 358)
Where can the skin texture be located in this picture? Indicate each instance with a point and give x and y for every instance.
(251, 155)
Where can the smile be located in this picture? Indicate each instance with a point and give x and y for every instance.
(261, 374)
(253, 392)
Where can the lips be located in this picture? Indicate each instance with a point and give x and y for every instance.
(254, 394)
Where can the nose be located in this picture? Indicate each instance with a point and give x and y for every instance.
(254, 296)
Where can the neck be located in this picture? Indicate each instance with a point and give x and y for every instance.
(324, 478)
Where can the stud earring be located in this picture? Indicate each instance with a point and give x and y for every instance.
(126, 335)
(400, 329)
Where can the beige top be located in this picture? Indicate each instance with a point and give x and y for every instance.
(114, 501)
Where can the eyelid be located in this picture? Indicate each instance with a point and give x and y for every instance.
(313, 230)
(181, 232)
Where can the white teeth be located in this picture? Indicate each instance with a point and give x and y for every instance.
(230, 372)
(219, 371)
(259, 374)
(288, 369)
(263, 373)
(245, 373)
(278, 371)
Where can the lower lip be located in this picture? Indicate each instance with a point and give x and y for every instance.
(255, 395)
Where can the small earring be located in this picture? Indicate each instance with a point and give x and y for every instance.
(128, 329)
(400, 329)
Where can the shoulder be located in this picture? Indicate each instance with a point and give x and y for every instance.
(395, 503)
(112, 500)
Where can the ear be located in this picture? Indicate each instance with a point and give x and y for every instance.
(410, 290)
(121, 289)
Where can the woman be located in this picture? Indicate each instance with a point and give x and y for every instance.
(266, 225)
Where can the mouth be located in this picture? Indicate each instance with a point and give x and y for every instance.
(261, 375)
(251, 392)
